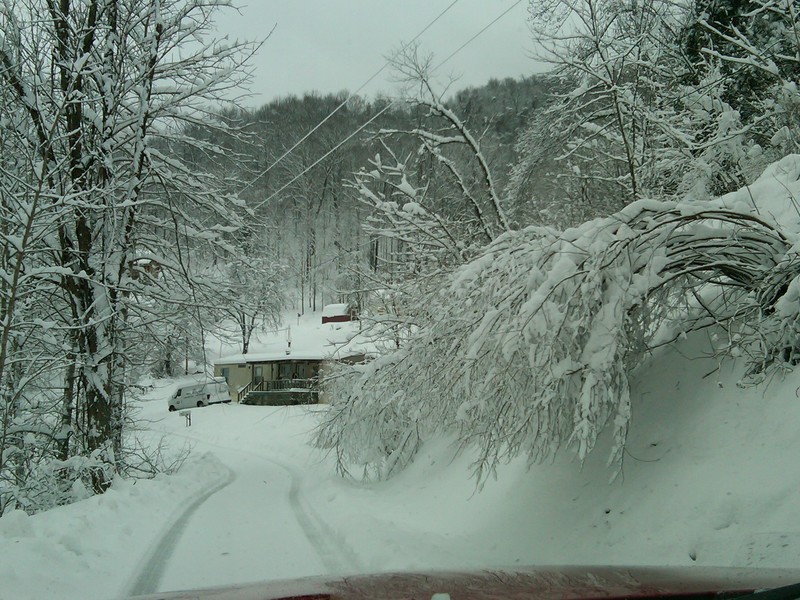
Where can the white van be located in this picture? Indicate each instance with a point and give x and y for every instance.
(193, 395)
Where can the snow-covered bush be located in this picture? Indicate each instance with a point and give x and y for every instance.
(526, 349)
(52, 482)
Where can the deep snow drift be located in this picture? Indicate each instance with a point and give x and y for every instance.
(710, 478)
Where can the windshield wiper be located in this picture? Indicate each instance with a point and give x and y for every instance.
(787, 592)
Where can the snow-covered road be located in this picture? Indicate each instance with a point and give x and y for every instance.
(254, 525)
(149, 576)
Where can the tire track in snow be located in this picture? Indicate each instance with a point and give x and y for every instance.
(332, 549)
(329, 546)
(149, 575)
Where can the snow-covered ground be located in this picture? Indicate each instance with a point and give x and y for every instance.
(711, 477)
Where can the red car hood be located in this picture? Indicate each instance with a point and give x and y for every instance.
(545, 583)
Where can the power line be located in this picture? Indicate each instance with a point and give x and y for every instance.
(383, 110)
(470, 40)
(346, 100)
(327, 154)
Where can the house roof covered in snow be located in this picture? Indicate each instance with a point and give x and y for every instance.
(260, 357)
(305, 339)
(333, 310)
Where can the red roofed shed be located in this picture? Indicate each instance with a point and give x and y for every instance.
(338, 313)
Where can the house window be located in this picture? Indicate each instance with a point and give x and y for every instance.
(286, 371)
(225, 372)
(258, 374)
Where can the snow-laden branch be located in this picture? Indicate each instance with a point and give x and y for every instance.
(526, 349)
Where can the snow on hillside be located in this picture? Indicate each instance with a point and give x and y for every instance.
(774, 196)
(710, 478)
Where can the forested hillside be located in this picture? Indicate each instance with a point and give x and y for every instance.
(310, 223)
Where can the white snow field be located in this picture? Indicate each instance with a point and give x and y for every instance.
(711, 477)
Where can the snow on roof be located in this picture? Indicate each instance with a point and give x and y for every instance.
(332, 310)
(283, 356)
(310, 340)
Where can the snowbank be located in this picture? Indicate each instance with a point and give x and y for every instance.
(90, 549)
(709, 477)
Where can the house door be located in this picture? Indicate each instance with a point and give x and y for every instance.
(258, 374)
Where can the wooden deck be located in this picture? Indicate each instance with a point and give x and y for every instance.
(282, 392)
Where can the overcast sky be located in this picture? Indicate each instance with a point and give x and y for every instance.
(331, 45)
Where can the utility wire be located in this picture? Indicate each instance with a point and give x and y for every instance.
(326, 155)
(472, 39)
(346, 100)
(383, 110)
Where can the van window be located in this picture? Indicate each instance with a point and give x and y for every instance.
(179, 392)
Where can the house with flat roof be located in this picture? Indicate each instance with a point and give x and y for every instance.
(278, 379)
(288, 365)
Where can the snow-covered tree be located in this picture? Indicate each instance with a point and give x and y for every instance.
(431, 202)
(656, 99)
(255, 296)
(88, 88)
(526, 349)
(610, 56)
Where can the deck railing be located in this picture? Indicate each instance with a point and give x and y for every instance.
(274, 385)
(242, 393)
(288, 384)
